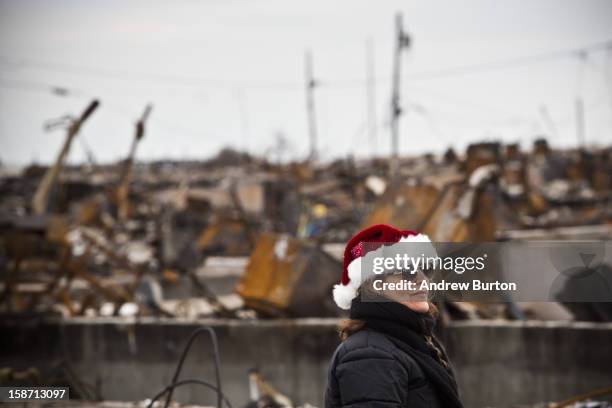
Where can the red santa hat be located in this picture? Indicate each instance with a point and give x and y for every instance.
(376, 236)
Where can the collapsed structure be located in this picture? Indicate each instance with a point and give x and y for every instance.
(236, 235)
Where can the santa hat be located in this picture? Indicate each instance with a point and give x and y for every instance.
(375, 236)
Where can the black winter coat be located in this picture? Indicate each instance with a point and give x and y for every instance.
(391, 363)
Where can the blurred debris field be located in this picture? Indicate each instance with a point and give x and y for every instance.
(245, 241)
(242, 236)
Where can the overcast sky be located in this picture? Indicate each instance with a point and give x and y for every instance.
(231, 73)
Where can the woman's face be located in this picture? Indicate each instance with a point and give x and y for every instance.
(416, 300)
(417, 306)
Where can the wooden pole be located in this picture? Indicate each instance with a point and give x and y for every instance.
(371, 96)
(40, 200)
(580, 133)
(401, 41)
(310, 104)
(126, 174)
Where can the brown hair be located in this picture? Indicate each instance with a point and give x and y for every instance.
(348, 327)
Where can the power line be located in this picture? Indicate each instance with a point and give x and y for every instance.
(464, 103)
(577, 52)
(34, 86)
(63, 91)
(297, 86)
(513, 62)
(144, 76)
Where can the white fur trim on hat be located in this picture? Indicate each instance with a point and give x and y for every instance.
(415, 238)
(344, 294)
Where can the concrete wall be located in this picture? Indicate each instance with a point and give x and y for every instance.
(510, 363)
(498, 364)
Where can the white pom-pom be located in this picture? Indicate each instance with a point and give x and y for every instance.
(344, 295)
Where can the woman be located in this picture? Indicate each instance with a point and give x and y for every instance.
(389, 356)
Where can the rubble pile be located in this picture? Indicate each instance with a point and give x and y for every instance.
(234, 235)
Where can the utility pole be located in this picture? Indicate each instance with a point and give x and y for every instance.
(126, 171)
(583, 58)
(548, 121)
(41, 198)
(310, 104)
(371, 96)
(580, 134)
(244, 120)
(402, 41)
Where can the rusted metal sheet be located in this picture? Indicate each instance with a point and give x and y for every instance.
(444, 224)
(225, 236)
(289, 277)
(404, 206)
(448, 224)
(481, 154)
